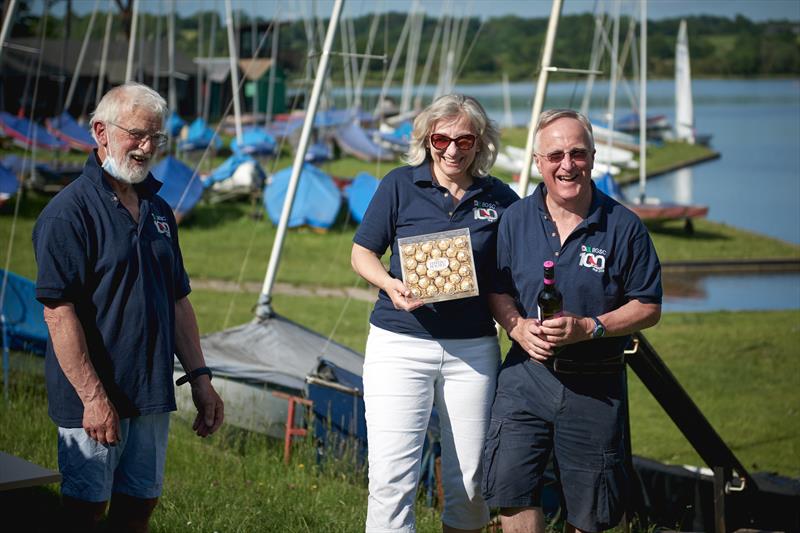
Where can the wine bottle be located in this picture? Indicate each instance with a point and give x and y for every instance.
(549, 301)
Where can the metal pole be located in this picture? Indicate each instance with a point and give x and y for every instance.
(172, 97)
(6, 25)
(263, 309)
(77, 72)
(237, 110)
(132, 41)
(643, 104)
(541, 91)
(273, 65)
(101, 76)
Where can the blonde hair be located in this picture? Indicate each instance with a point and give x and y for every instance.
(551, 115)
(124, 99)
(451, 106)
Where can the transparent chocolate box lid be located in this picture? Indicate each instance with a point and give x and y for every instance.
(439, 266)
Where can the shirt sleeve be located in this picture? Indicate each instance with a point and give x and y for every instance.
(180, 276)
(643, 278)
(377, 229)
(61, 256)
(502, 279)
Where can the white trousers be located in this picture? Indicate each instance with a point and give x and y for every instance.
(403, 378)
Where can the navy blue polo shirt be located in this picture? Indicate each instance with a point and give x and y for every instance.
(408, 203)
(606, 261)
(123, 279)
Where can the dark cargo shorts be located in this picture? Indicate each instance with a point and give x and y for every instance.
(580, 419)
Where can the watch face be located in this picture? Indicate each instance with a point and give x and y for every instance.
(599, 330)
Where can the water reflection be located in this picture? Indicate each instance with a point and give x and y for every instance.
(690, 291)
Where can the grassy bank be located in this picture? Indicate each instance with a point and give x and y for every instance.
(746, 384)
(223, 241)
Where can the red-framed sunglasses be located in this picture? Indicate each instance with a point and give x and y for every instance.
(463, 142)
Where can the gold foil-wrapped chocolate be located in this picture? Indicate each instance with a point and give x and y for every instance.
(439, 266)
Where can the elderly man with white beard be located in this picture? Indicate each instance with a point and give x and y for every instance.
(112, 280)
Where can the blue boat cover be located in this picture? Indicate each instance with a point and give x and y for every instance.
(174, 124)
(360, 193)
(281, 129)
(68, 130)
(400, 138)
(316, 202)
(29, 134)
(318, 152)
(608, 185)
(353, 140)
(8, 183)
(255, 141)
(199, 137)
(23, 315)
(179, 189)
(227, 168)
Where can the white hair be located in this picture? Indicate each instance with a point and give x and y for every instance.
(551, 115)
(452, 106)
(125, 98)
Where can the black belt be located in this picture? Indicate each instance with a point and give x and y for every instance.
(610, 365)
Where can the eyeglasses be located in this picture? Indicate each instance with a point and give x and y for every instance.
(576, 154)
(463, 142)
(140, 136)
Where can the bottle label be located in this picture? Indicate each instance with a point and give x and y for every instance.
(544, 316)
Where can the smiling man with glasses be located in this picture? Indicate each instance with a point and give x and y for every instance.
(115, 291)
(561, 389)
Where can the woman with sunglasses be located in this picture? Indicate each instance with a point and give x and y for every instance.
(445, 353)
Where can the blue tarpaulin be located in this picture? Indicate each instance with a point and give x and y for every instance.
(360, 193)
(316, 202)
(199, 137)
(255, 141)
(8, 183)
(69, 131)
(29, 134)
(179, 189)
(353, 140)
(23, 315)
(174, 124)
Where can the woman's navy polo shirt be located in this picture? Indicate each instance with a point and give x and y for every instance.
(606, 261)
(123, 279)
(408, 203)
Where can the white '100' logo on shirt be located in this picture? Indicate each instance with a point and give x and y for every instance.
(593, 258)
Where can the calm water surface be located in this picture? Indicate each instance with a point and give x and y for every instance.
(755, 185)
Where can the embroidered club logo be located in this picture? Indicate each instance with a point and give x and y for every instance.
(485, 211)
(162, 226)
(594, 258)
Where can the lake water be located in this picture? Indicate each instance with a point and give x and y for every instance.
(754, 185)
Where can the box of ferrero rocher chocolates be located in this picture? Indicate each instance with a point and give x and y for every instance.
(439, 266)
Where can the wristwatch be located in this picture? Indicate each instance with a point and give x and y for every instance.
(599, 328)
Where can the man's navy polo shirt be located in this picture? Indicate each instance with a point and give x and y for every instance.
(408, 203)
(123, 279)
(606, 261)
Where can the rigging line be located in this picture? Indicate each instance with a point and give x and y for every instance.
(225, 115)
(240, 278)
(469, 51)
(13, 231)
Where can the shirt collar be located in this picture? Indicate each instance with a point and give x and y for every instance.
(596, 208)
(92, 170)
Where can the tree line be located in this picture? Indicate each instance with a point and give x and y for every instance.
(511, 45)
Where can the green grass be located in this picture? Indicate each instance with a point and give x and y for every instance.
(224, 241)
(739, 367)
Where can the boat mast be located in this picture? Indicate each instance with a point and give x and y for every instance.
(237, 110)
(541, 89)
(132, 41)
(643, 103)
(77, 72)
(6, 25)
(101, 76)
(264, 307)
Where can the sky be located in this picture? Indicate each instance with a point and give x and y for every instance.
(757, 10)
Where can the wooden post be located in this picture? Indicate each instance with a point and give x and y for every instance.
(722, 475)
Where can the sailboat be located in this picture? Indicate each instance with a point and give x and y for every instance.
(684, 106)
(652, 208)
(271, 353)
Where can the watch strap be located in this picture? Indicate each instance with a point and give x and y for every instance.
(194, 374)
